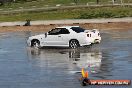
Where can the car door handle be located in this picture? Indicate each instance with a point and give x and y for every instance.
(59, 36)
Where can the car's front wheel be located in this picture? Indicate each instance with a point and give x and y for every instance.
(35, 43)
(74, 44)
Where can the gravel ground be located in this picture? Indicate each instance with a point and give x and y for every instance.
(115, 23)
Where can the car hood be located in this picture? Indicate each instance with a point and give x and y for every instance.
(37, 36)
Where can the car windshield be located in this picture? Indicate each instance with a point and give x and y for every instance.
(78, 29)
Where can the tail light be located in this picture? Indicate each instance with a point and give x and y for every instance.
(87, 35)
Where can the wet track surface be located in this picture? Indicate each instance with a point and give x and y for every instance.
(24, 67)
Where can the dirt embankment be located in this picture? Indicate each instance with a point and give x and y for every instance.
(44, 28)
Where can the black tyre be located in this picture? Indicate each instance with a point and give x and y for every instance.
(74, 44)
(96, 41)
(35, 43)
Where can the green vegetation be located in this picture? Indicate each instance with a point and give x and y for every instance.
(18, 10)
(78, 13)
(116, 12)
(42, 3)
(26, 4)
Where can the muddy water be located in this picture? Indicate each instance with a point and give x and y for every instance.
(24, 67)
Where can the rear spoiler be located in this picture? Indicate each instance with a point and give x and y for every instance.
(93, 30)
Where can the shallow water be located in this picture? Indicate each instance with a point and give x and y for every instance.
(24, 67)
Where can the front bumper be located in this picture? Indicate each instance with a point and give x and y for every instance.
(28, 42)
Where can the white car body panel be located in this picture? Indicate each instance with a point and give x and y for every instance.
(63, 39)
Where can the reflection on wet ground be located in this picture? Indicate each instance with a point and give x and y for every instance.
(76, 58)
(25, 67)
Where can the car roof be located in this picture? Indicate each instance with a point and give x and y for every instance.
(67, 27)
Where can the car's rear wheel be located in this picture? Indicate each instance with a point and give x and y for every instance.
(35, 43)
(96, 41)
(74, 44)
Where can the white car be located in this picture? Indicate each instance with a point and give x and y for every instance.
(66, 36)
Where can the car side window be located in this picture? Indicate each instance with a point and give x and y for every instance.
(58, 31)
(64, 31)
(54, 32)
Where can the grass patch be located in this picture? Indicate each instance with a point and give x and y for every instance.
(78, 13)
(39, 16)
(52, 3)
(114, 12)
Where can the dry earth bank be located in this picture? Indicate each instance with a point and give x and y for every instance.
(45, 28)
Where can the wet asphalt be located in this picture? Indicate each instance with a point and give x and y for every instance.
(25, 67)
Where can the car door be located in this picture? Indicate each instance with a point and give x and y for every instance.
(53, 38)
(64, 36)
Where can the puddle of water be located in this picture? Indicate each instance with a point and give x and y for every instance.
(3, 51)
(24, 67)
